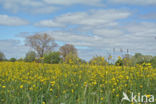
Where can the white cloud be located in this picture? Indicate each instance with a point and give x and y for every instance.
(13, 48)
(90, 18)
(71, 2)
(106, 32)
(149, 16)
(135, 2)
(44, 10)
(42, 6)
(28, 6)
(16, 5)
(12, 21)
(137, 37)
(49, 23)
(93, 17)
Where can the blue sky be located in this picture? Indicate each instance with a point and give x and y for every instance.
(95, 27)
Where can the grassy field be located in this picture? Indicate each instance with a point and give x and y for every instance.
(33, 83)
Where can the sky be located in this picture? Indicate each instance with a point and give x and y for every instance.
(94, 27)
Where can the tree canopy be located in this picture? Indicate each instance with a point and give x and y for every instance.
(41, 43)
(67, 49)
(2, 56)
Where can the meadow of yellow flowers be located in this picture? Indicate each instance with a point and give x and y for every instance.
(34, 83)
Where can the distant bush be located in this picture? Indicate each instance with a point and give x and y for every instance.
(138, 58)
(52, 58)
(72, 59)
(12, 59)
(98, 60)
(30, 56)
(119, 62)
(20, 59)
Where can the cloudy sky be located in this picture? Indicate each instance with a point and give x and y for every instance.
(95, 27)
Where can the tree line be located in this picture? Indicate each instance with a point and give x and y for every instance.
(43, 51)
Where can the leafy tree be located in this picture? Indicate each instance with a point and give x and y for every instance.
(41, 43)
(68, 49)
(2, 56)
(147, 58)
(30, 56)
(138, 55)
(98, 60)
(12, 59)
(138, 58)
(72, 59)
(52, 58)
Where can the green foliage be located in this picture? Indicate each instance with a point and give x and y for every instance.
(98, 60)
(52, 58)
(30, 56)
(33, 83)
(83, 61)
(138, 55)
(12, 59)
(119, 62)
(72, 59)
(128, 60)
(2, 56)
(66, 50)
(153, 61)
(138, 58)
(20, 59)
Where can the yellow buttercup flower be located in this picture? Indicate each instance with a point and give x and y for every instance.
(148, 96)
(101, 98)
(21, 86)
(43, 103)
(3, 86)
(51, 89)
(52, 83)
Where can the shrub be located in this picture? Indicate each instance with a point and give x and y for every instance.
(30, 56)
(52, 58)
(12, 59)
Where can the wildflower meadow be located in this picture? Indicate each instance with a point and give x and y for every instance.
(40, 83)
